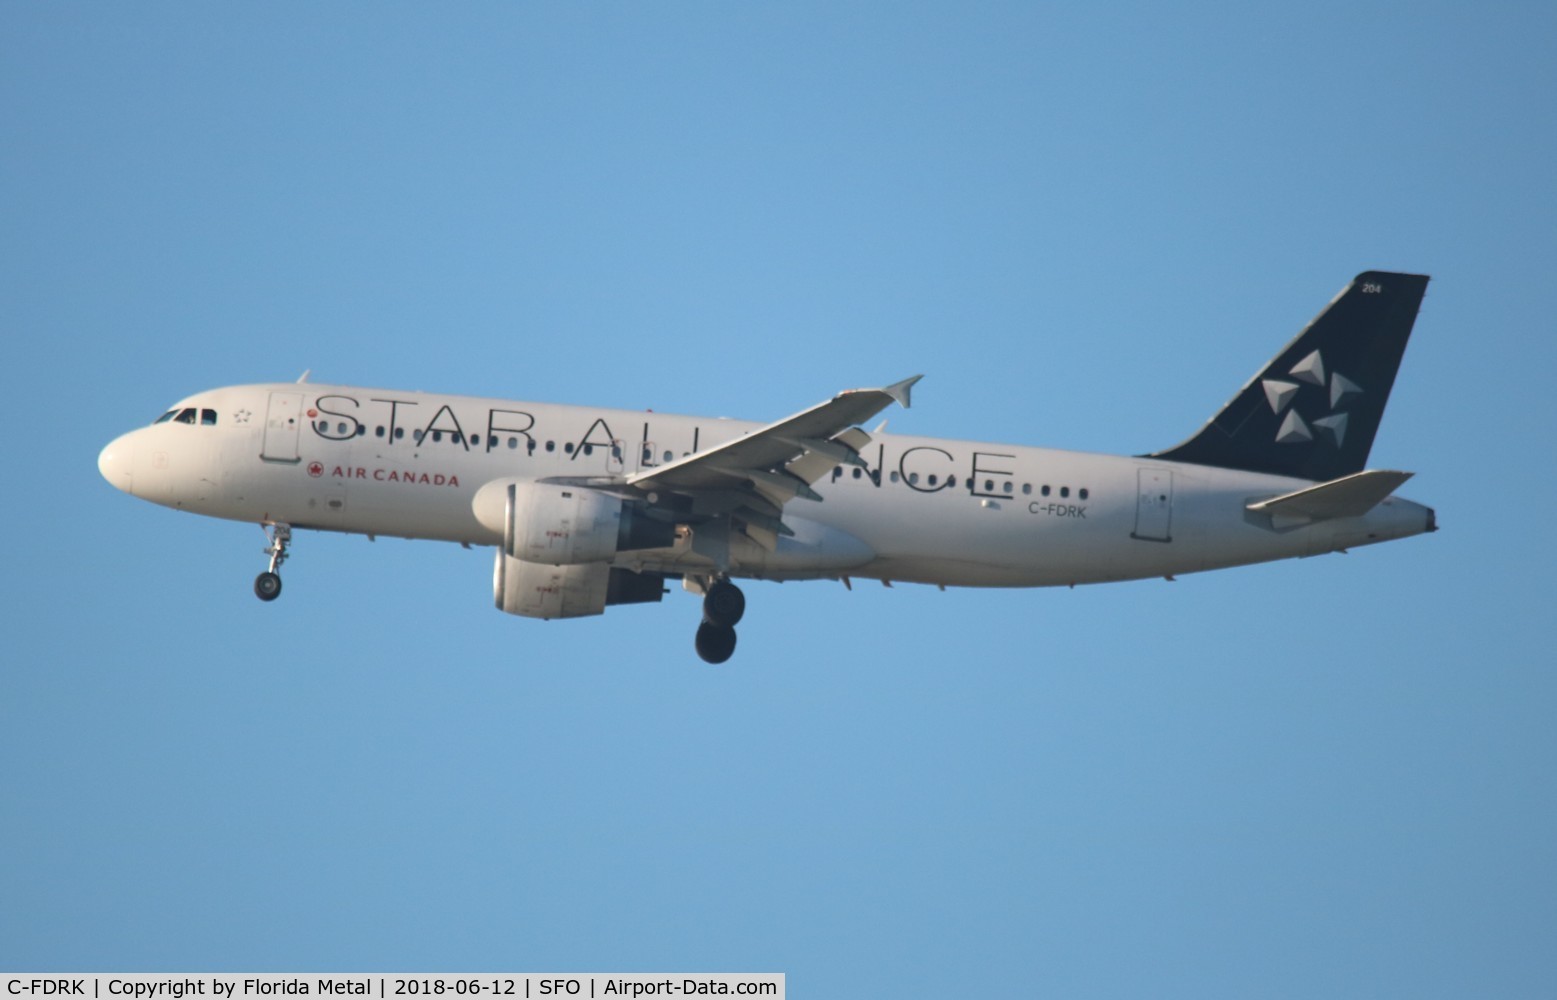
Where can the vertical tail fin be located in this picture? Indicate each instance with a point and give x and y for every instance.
(1313, 411)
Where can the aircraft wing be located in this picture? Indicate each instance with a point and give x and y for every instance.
(754, 476)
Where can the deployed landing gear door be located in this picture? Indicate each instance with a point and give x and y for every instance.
(1153, 505)
(282, 426)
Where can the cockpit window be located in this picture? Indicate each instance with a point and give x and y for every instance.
(188, 415)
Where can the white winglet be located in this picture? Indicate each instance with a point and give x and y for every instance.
(899, 390)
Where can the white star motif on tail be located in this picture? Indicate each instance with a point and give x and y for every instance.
(1311, 369)
(1293, 430)
(1281, 394)
(1334, 425)
(1341, 387)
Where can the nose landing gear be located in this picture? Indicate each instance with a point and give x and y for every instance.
(267, 586)
(723, 607)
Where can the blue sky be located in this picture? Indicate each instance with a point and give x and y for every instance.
(1086, 225)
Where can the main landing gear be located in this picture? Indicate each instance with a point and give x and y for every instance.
(723, 606)
(267, 586)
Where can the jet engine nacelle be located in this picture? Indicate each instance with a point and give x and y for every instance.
(538, 590)
(564, 525)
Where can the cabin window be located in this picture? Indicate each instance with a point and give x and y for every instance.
(437, 437)
(419, 435)
(551, 446)
(568, 447)
(589, 449)
(858, 472)
(930, 481)
(913, 479)
(399, 433)
(378, 431)
(669, 455)
(513, 443)
(989, 486)
(1008, 487)
(1045, 490)
(1083, 493)
(1027, 489)
(1064, 491)
(894, 477)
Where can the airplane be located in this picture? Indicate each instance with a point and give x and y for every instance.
(592, 508)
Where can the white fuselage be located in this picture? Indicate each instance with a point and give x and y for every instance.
(928, 510)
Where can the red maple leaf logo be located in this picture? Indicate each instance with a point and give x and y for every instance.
(315, 469)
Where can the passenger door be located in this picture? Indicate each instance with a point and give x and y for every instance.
(282, 425)
(1153, 505)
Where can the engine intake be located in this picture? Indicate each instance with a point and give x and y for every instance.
(560, 525)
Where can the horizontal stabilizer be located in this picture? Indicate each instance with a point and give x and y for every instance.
(1349, 496)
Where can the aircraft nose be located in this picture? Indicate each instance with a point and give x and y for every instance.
(115, 463)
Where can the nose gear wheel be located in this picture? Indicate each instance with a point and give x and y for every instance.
(267, 586)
